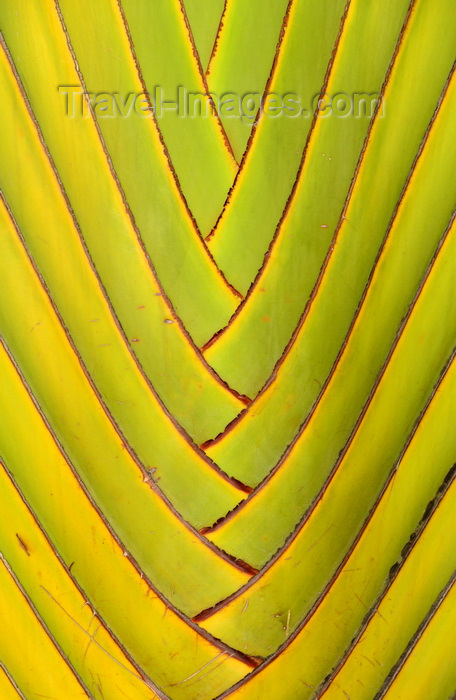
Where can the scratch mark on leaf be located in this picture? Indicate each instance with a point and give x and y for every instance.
(146, 682)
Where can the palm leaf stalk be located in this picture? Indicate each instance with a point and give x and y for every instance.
(227, 349)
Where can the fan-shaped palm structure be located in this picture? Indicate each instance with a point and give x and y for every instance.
(227, 321)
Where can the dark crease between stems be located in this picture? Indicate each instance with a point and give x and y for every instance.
(184, 618)
(282, 461)
(12, 681)
(117, 323)
(373, 609)
(326, 384)
(200, 238)
(217, 37)
(216, 337)
(146, 477)
(205, 614)
(352, 189)
(204, 81)
(241, 397)
(254, 126)
(141, 675)
(393, 574)
(416, 638)
(164, 147)
(173, 313)
(149, 104)
(46, 629)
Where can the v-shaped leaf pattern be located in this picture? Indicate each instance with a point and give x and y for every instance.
(204, 23)
(237, 71)
(227, 343)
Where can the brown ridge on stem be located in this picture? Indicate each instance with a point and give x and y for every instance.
(145, 474)
(23, 545)
(255, 124)
(416, 637)
(149, 104)
(166, 153)
(234, 291)
(12, 681)
(204, 80)
(332, 245)
(283, 459)
(138, 234)
(74, 581)
(205, 614)
(216, 642)
(449, 479)
(393, 574)
(46, 629)
(217, 37)
(353, 434)
(176, 425)
(159, 134)
(291, 196)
